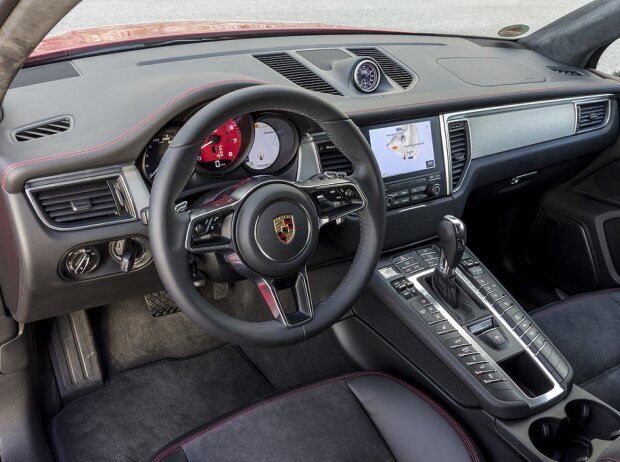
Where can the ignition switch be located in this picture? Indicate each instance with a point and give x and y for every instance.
(129, 252)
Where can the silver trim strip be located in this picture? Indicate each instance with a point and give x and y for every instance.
(555, 391)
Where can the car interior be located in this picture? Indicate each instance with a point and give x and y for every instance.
(310, 243)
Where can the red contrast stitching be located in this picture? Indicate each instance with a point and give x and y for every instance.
(464, 437)
(124, 135)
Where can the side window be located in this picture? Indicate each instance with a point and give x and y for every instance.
(610, 59)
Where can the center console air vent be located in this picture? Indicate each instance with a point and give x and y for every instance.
(459, 150)
(43, 129)
(84, 203)
(332, 160)
(287, 66)
(591, 116)
(392, 69)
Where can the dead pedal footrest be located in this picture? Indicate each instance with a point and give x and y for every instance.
(160, 304)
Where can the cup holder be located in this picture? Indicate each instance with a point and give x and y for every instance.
(570, 439)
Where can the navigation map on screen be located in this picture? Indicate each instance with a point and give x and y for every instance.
(403, 148)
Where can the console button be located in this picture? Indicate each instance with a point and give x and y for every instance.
(537, 344)
(514, 317)
(494, 296)
(424, 250)
(404, 192)
(473, 360)
(443, 328)
(475, 271)
(426, 315)
(402, 200)
(464, 351)
(495, 337)
(407, 293)
(482, 368)
(438, 316)
(530, 335)
(456, 342)
(523, 327)
(501, 306)
(545, 351)
(399, 284)
(494, 381)
(423, 301)
(481, 281)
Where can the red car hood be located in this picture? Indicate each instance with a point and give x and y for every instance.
(91, 39)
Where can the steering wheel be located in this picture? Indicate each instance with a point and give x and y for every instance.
(266, 228)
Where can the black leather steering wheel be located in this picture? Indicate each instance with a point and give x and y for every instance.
(267, 228)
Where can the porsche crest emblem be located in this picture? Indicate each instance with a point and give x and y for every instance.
(284, 226)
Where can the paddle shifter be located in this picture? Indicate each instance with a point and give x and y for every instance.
(452, 237)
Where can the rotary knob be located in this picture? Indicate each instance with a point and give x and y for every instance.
(83, 260)
(434, 189)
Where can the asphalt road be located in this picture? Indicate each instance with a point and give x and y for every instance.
(471, 17)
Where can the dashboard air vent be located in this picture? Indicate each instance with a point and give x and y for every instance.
(567, 71)
(84, 203)
(287, 66)
(43, 129)
(459, 150)
(591, 116)
(333, 160)
(392, 69)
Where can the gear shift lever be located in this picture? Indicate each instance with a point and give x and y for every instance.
(452, 237)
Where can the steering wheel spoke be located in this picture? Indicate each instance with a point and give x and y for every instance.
(209, 228)
(335, 197)
(300, 288)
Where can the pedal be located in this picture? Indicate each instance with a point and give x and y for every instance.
(220, 290)
(160, 304)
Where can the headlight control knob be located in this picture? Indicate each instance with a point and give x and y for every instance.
(82, 260)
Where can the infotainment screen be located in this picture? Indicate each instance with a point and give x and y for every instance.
(402, 149)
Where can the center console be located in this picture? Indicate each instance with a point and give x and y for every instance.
(472, 323)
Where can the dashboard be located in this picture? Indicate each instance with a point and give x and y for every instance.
(445, 117)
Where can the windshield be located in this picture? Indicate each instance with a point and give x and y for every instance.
(461, 17)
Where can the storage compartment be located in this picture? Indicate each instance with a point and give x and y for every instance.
(527, 375)
(571, 439)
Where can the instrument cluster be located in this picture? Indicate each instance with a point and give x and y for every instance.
(258, 144)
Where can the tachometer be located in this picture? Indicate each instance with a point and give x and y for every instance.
(155, 151)
(265, 149)
(221, 148)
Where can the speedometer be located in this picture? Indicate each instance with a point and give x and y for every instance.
(221, 148)
(265, 148)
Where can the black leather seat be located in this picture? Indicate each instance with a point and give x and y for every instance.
(367, 416)
(585, 330)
